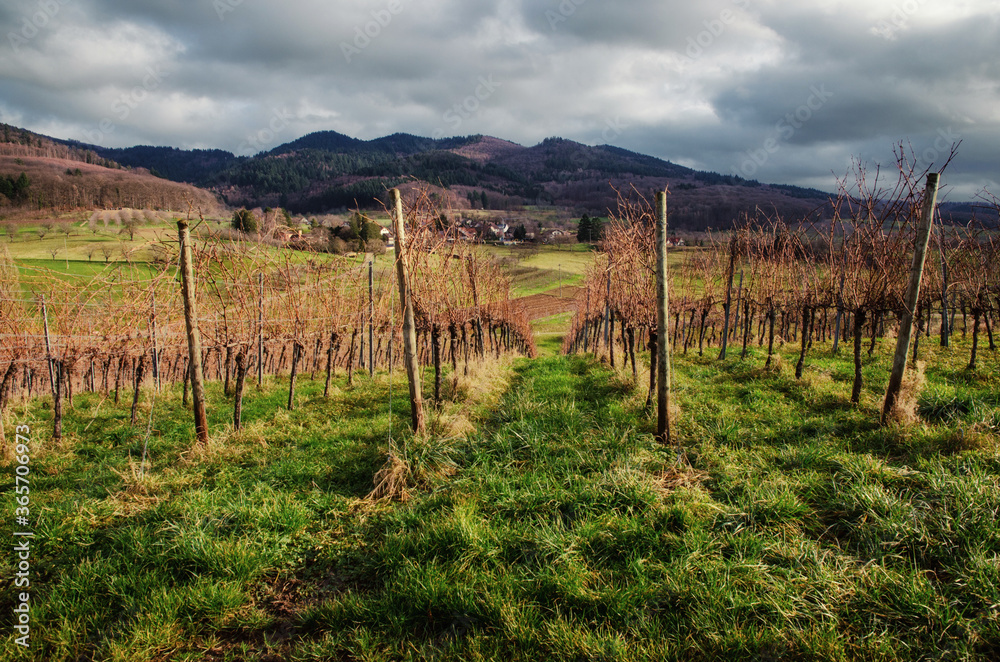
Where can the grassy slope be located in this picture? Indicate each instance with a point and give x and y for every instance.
(540, 269)
(549, 333)
(800, 530)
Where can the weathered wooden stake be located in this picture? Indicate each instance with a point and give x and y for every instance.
(736, 313)
(840, 316)
(193, 334)
(371, 318)
(260, 330)
(912, 295)
(409, 326)
(241, 375)
(137, 376)
(156, 351)
(662, 306)
(945, 329)
(297, 350)
(729, 296)
(48, 346)
(607, 311)
(55, 378)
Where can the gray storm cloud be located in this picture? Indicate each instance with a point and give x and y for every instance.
(711, 85)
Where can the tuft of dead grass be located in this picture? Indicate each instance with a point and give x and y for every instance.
(975, 437)
(678, 476)
(467, 396)
(140, 491)
(392, 481)
(227, 444)
(905, 411)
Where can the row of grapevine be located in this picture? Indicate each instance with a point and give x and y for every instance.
(261, 311)
(842, 280)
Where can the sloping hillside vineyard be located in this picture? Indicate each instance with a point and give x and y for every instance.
(261, 311)
(776, 281)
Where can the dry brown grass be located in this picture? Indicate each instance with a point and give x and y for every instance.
(975, 437)
(905, 411)
(423, 461)
(141, 489)
(393, 481)
(227, 444)
(679, 476)
(465, 396)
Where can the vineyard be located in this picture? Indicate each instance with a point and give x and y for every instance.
(544, 520)
(260, 312)
(775, 280)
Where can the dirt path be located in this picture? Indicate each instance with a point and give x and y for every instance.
(547, 304)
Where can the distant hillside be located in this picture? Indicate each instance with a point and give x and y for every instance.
(70, 175)
(196, 166)
(65, 184)
(329, 171)
(21, 142)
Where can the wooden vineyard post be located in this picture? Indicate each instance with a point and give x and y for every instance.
(945, 327)
(48, 346)
(736, 312)
(55, 378)
(607, 310)
(729, 297)
(371, 318)
(241, 374)
(840, 315)
(156, 353)
(662, 339)
(193, 334)
(912, 296)
(409, 326)
(260, 331)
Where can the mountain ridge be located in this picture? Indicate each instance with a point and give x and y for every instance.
(329, 171)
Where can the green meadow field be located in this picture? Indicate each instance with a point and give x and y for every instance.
(538, 519)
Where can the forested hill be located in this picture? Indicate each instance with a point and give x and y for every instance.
(326, 171)
(39, 173)
(18, 142)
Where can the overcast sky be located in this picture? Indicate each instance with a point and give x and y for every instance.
(777, 91)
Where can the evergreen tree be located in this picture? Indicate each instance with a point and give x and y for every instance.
(244, 220)
(584, 229)
(370, 229)
(354, 226)
(589, 230)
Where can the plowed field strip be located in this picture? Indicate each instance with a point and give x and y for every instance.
(538, 306)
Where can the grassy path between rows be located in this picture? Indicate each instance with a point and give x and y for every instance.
(795, 530)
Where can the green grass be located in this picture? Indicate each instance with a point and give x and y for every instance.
(796, 529)
(536, 269)
(549, 333)
(76, 246)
